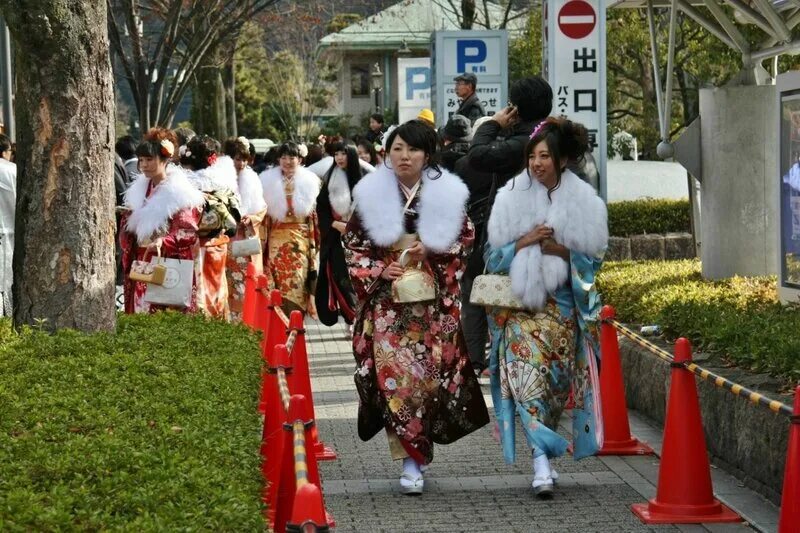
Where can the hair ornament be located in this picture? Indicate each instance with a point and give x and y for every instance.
(211, 159)
(167, 148)
(539, 127)
(243, 140)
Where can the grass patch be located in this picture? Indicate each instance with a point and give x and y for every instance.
(739, 318)
(152, 429)
(648, 216)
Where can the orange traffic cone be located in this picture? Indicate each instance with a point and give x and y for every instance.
(261, 303)
(302, 383)
(308, 511)
(617, 438)
(684, 494)
(790, 501)
(275, 416)
(274, 334)
(249, 304)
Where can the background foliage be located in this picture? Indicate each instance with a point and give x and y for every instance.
(648, 216)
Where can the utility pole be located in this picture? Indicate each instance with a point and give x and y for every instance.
(6, 80)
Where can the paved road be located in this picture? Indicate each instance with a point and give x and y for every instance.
(468, 487)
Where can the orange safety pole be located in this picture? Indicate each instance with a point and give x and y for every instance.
(790, 499)
(302, 383)
(617, 439)
(249, 305)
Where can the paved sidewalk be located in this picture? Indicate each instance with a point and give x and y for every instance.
(468, 487)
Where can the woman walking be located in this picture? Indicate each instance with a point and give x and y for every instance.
(290, 259)
(413, 374)
(548, 231)
(334, 294)
(161, 213)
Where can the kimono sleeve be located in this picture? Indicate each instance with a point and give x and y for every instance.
(498, 260)
(453, 262)
(182, 235)
(365, 262)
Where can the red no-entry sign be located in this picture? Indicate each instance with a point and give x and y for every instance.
(577, 19)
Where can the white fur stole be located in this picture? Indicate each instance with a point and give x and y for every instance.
(220, 175)
(252, 197)
(579, 220)
(379, 203)
(339, 192)
(151, 215)
(304, 197)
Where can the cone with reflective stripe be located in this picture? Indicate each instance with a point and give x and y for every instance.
(274, 334)
(790, 502)
(684, 494)
(275, 416)
(617, 438)
(249, 304)
(309, 511)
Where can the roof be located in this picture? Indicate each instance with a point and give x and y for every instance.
(411, 21)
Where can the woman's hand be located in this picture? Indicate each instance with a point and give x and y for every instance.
(535, 236)
(506, 116)
(339, 226)
(551, 247)
(417, 252)
(155, 245)
(311, 308)
(392, 271)
(246, 219)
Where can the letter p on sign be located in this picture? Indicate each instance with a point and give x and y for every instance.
(417, 78)
(469, 51)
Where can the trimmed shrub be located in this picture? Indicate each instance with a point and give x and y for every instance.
(739, 318)
(155, 428)
(648, 216)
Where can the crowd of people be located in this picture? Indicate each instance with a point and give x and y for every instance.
(397, 234)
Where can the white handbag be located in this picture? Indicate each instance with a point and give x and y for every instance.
(176, 291)
(246, 247)
(494, 290)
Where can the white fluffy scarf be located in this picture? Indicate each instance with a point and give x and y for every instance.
(304, 197)
(151, 215)
(252, 196)
(220, 175)
(579, 221)
(379, 203)
(339, 192)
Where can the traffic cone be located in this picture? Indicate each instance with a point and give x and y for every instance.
(272, 437)
(302, 383)
(308, 511)
(617, 439)
(684, 494)
(261, 303)
(790, 500)
(274, 334)
(249, 304)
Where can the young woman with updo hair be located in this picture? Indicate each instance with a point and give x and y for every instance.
(547, 232)
(161, 211)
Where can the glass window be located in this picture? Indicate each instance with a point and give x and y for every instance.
(359, 80)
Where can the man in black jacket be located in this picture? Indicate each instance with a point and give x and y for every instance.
(455, 135)
(496, 155)
(470, 105)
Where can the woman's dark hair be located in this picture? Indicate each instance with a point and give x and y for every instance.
(566, 141)
(152, 144)
(184, 135)
(5, 143)
(125, 147)
(329, 142)
(533, 97)
(199, 150)
(353, 169)
(315, 154)
(377, 117)
(289, 148)
(370, 148)
(418, 134)
(234, 148)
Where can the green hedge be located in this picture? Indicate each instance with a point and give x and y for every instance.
(739, 318)
(648, 216)
(152, 429)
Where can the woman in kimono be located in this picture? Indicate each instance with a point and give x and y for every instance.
(413, 373)
(548, 231)
(161, 212)
(334, 295)
(253, 210)
(290, 258)
(216, 178)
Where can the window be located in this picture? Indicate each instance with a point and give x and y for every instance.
(359, 80)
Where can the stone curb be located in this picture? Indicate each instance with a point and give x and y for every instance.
(650, 247)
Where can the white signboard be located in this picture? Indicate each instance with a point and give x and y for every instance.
(483, 53)
(575, 66)
(413, 87)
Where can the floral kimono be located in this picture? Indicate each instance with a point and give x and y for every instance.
(413, 373)
(252, 206)
(290, 261)
(540, 354)
(170, 211)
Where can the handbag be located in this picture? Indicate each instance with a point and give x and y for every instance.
(494, 290)
(220, 214)
(246, 247)
(414, 285)
(147, 271)
(176, 291)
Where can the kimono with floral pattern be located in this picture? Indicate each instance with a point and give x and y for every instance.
(413, 373)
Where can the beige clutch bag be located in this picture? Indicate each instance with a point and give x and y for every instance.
(153, 273)
(415, 285)
(494, 290)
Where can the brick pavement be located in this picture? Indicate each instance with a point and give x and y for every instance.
(468, 487)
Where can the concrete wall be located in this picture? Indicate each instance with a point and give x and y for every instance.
(739, 221)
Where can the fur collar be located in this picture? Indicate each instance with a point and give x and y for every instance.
(151, 215)
(339, 193)
(579, 220)
(380, 204)
(252, 200)
(304, 198)
(220, 175)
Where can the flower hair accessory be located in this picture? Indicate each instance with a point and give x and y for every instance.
(167, 148)
(243, 140)
(539, 127)
(212, 159)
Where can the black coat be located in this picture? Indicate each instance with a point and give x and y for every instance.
(451, 153)
(471, 108)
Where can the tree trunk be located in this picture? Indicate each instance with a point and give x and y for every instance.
(229, 85)
(208, 110)
(64, 264)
